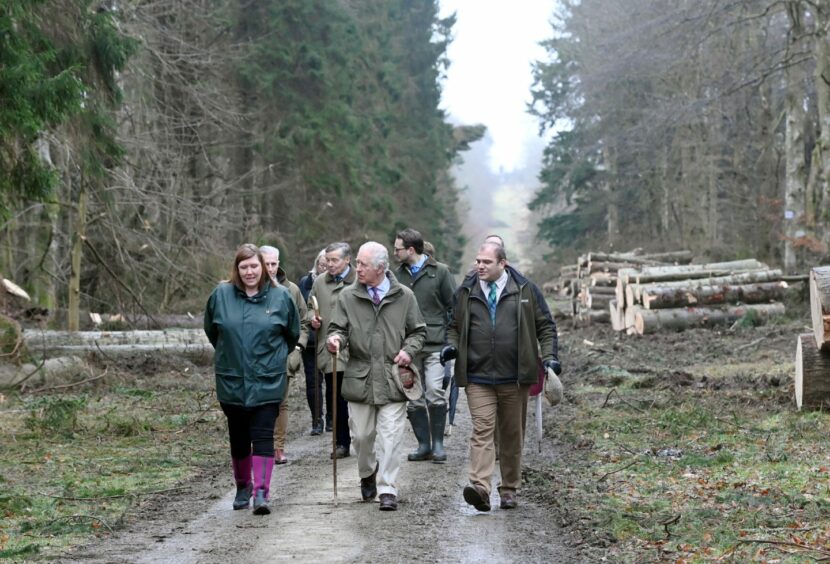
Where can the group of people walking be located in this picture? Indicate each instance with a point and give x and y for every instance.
(368, 327)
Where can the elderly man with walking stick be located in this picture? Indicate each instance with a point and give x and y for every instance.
(378, 321)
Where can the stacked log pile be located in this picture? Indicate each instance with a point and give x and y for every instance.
(587, 291)
(672, 298)
(812, 352)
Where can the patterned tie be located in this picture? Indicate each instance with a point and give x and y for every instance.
(375, 295)
(492, 298)
(413, 270)
(338, 278)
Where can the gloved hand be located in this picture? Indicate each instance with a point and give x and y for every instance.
(554, 365)
(447, 353)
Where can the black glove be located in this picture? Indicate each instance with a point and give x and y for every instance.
(554, 365)
(447, 353)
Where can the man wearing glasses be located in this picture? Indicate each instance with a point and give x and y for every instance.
(433, 286)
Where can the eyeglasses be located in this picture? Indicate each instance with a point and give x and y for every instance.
(399, 249)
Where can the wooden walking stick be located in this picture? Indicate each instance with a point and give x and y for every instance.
(334, 418)
(316, 307)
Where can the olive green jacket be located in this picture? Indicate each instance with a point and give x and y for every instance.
(434, 287)
(295, 361)
(326, 289)
(373, 337)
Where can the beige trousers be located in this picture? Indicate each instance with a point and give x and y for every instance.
(386, 423)
(282, 424)
(507, 405)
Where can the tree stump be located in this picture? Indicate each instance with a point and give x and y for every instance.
(812, 374)
(820, 305)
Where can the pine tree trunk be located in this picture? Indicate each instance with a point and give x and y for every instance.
(652, 321)
(820, 305)
(74, 300)
(662, 298)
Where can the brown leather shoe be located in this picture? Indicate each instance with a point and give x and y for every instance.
(477, 497)
(279, 457)
(388, 502)
(508, 500)
(369, 487)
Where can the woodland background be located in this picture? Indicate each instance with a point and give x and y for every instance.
(141, 141)
(701, 124)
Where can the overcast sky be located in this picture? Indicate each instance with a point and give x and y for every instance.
(494, 45)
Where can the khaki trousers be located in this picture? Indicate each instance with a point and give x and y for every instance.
(282, 423)
(386, 423)
(507, 405)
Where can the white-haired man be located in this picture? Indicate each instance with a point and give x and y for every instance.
(379, 321)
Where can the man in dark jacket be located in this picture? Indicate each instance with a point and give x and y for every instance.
(500, 325)
(433, 286)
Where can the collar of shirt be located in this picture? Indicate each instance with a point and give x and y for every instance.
(382, 288)
(500, 284)
(414, 268)
(342, 275)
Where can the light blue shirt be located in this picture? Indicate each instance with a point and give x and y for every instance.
(414, 268)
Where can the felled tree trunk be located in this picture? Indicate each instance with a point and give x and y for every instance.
(652, 321)
(52, 343)
(812, 374)
(661, 298)
(820, 305)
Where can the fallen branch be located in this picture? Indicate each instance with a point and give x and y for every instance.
(748, 345)
(80, 516)
(786, 543)
(63, 386)
(18, 332)
(631, 405)
(132, 494)
(671, 521)
(629, 465)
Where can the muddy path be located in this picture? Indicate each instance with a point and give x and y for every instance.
(433, 523)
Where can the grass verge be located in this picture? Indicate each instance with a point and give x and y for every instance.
(705, 463)
(75, 464)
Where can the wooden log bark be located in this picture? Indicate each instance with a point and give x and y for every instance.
(617, 321)
(731, 266)
(50, 343)
(595, 266)
(820, 305)
(630, 317)
(751, 277)
(598, 301)
(812, 374)
(662, 298)
(598, 315)
(680, 319)
(603, 279)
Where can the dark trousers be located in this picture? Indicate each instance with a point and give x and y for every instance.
(310, 390)
(344, 439)
(251, 426)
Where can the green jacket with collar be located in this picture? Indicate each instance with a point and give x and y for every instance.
(326, 289)
(433, 286)
(252, 336)
(373, 337)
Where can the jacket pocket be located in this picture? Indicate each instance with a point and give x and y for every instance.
(230, 388)
(356, 381)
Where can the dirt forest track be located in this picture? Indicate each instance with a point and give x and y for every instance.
(433, 523)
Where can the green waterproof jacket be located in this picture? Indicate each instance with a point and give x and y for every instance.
(534, 326)
(433, 286)
(373, 337)
(252, 336)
